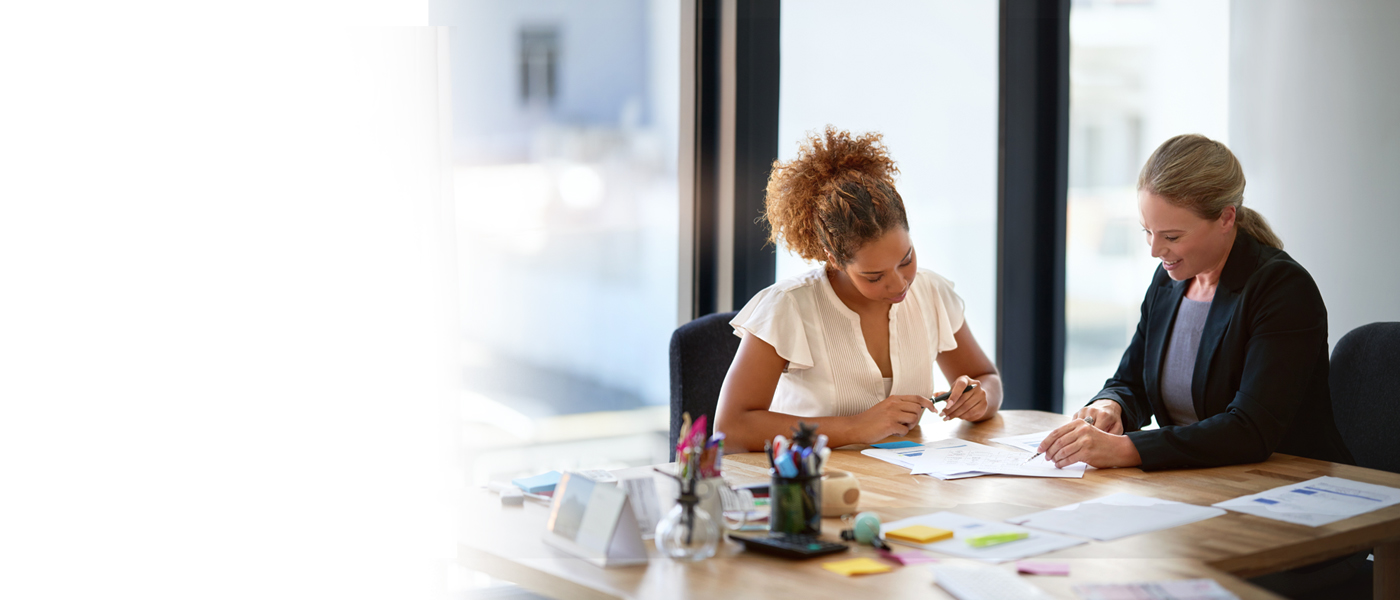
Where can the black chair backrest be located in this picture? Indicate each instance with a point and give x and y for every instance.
(1365, 386)
(701, 351)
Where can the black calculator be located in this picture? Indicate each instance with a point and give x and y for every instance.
(789, 545)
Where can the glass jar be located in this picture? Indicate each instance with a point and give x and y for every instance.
(687, 532)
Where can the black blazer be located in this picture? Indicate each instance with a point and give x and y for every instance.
(1260, 380)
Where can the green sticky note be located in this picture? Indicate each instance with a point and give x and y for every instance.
(996, 538)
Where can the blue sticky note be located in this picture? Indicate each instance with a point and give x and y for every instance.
(544, 482)
(893, 445)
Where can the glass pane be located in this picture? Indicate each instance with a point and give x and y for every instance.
(564, 123)
(925, 75)
(1140, 73)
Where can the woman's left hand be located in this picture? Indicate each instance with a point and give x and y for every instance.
(963, 404)
(1078, 441)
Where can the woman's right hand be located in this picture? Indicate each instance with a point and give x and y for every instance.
(1107, 414)
(895, 415)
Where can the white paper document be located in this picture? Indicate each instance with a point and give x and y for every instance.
(1183, 589)
(964, 527)
(974, 457)
(1116, 516)
(1317, 501)
(905, 457)
(1029, 442)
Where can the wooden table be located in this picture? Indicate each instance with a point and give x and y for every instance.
(505, 542)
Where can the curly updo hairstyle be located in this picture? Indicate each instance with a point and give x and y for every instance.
(837, 195)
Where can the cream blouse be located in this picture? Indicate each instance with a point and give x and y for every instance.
(830, 371)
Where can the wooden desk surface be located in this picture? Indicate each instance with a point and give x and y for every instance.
(506, 542)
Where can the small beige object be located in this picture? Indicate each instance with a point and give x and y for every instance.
(840, 493)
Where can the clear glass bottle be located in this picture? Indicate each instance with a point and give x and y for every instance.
(687, 532)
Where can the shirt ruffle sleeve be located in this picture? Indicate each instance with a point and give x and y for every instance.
(773, 316)
(947, 305)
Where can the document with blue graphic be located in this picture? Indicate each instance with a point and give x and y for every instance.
(1317, 501)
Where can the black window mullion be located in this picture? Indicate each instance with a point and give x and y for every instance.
(755, 143)
(1032, 172)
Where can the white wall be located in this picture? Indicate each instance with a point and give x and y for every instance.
(1314, 120)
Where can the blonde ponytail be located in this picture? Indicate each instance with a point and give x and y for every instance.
(1201, 174)
(1253, 223)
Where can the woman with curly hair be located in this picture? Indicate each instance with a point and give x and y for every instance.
(850, 346)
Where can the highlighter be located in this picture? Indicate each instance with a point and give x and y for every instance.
(996, 538)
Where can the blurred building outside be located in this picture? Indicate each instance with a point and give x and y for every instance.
(564, 141)
(1140, 73)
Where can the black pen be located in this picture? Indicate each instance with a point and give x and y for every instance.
(944, 396)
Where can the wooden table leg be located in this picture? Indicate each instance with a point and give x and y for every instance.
(1387, 571)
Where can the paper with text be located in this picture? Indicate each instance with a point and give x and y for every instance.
(1316, 502)
(971, 456)
(1187, 589)
(905, 457)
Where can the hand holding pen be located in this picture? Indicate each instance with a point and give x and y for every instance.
(1083, 440)
(965, 401)
(1050, 439)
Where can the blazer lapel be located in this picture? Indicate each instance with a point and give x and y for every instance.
(1238, 267)
(1158, 329)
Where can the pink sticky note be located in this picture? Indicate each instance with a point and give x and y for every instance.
(911, 557)
(1041, 567)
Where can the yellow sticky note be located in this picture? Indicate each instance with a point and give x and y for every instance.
(919, 534)
(857, 566)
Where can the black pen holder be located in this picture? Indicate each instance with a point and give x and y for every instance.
(795, 504)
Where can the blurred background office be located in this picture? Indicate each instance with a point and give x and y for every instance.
(564, 142)
(566, 187)
(264, 266)
(564, 151)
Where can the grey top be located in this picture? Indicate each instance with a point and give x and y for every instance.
(1180, 361)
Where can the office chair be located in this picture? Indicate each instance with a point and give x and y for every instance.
(701, 351)
(1365, 385)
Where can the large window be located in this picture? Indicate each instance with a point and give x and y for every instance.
(1140, 73)
(925, 75)
(564, 147)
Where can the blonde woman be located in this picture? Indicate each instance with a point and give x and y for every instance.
(851, 345)
(1230, 353)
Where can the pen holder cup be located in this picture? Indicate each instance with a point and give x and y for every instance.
(795, 504)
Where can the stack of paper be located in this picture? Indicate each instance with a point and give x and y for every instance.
(905, 453)
(971, 457)
(1030, 442)
(1316, 502)
(955, 459)
(1115, 516)
(963, 527)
